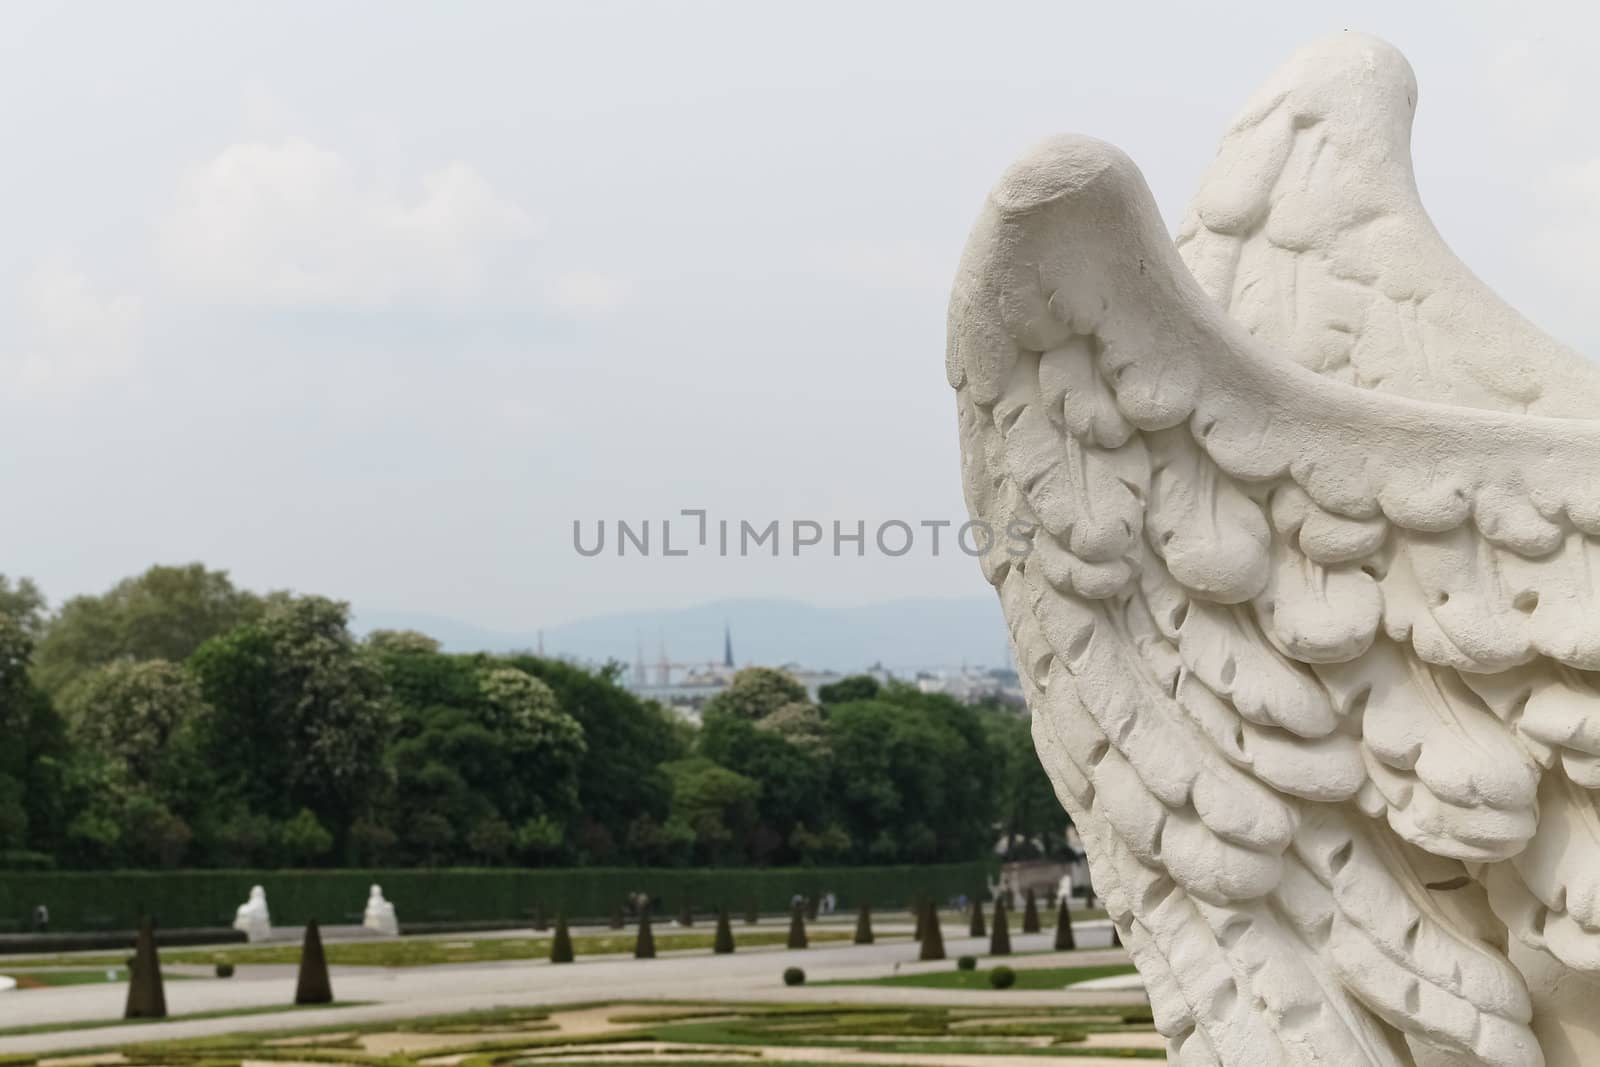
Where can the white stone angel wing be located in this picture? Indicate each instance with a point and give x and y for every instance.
(1308, 228)
(1310, 664)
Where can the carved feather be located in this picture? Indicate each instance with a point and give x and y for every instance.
(1293, 628)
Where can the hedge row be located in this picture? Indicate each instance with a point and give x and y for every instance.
(105, 900)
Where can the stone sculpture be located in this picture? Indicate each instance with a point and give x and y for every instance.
(252, 916)
(1307, 613)
(379, 915)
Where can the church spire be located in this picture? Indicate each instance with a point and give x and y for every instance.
(727, 646)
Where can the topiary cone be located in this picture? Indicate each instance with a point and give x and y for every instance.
(722, 944)
(616, 917)
(864, 925)
(977, 929)
(752, 914)
(813, 906)
(686, 913)
(644, 946)
(561, 943)
(1000, 939)
(1030, 913)
(932, 935)
(147, 998)
(313, 986)
(1064, 938)
(797, 927)
(539, 922)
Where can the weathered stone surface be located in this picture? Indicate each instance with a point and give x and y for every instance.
(1308, 615)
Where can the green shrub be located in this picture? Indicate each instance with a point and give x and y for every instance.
(794, 976)
(1002, 978)
(89, 900)
(966, 963)
(224, 970)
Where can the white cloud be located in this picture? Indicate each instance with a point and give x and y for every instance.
(588, 293)
(290, 224)
(73, 334)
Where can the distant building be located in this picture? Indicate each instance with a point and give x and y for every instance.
(973, 685)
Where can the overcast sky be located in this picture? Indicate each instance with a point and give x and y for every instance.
(374, 300)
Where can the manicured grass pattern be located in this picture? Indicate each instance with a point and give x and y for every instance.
(1053, 978)
(427, 952)
(101, 1024)
(502, 1036)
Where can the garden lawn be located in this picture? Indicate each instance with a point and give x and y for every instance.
(428, 951)
(1030, 978)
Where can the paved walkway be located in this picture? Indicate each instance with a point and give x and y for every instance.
(753, 974)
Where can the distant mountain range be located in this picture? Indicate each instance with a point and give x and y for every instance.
(903, 635)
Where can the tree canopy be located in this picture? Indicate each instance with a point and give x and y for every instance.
(178, 721)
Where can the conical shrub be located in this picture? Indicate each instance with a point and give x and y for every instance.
(752, 913)
(616, 917)
(864, 925)
(561, 943)
(147, 998)
(977, 929)
(1000, 938)
(313, 986)
(1030, 913)
(539, 921)
(932, 935)
(644, 946)
(797, 927)
(813, 906)
(686, 913)
(722, 944)
(1064, 938)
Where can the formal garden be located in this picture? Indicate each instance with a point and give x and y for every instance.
(682, 1033)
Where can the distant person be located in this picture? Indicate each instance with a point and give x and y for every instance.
(41, 917)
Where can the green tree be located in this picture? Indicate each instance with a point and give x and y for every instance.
(35, 770)
(540, 839)
(525, 713)
(25, 605)
(757, 692)
(150, 834)
(301, 716)
(400, 641)
(912, 777)
(717, 804)
(620, 778)
(853, 687)
(794, 780)
(303, 840)
(165, 613)
(1030, 817)
(130, 713)
(491, 840)
(801, 725)
(487, 745)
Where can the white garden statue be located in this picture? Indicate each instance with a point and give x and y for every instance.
(252, 916)
(1297, 533)
(380, 916)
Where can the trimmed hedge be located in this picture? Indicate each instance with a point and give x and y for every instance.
(113, 900)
